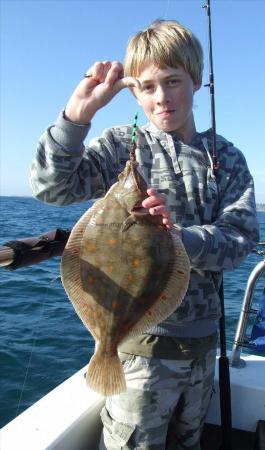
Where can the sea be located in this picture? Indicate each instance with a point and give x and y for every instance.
(43, 342)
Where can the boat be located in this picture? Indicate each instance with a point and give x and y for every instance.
(68, 417)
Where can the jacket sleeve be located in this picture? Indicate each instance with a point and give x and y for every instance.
(64, 171)
(223, 244)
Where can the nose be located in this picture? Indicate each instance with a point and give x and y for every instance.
(161, 95)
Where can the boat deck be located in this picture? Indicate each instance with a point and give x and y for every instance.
(241, 440)
(211, 439)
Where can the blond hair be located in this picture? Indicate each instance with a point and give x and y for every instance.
(165, 43)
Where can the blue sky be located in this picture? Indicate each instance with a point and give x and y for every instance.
(48, 45)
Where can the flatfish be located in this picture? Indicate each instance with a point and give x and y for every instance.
(124, 272)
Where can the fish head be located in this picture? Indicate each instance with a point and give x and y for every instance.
(132, 189)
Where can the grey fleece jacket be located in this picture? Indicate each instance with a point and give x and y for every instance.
(217, 214)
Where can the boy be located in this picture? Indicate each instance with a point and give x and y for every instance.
(169, 370)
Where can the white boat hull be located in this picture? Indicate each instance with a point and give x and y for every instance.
(68, 417)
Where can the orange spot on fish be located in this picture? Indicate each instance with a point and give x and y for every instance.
(112, 242)
(91, 247)
(130, 277)
(136, 262)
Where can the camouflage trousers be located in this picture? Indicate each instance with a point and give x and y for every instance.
(164, 406)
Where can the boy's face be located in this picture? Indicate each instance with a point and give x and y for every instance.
(166, 96)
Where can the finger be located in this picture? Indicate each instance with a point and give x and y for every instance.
(154, 194)
(115, 73)
(98, 71)
(122, 83)
(164, 212)
(151, 191)
(167, 222)
(104, 70)
(89, 81)
(154, 200)
(131, 82)
(95, 72)
(159, 211)
(107, 66)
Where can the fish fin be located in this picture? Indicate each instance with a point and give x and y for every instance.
(128, 223)
(105, 374)
(70, 262)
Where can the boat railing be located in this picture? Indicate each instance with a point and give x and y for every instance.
(240, 340)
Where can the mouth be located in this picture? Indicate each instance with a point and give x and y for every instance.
(166, 113)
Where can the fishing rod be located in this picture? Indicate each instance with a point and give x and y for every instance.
(33, 250)
(224, 373)
(211, 85)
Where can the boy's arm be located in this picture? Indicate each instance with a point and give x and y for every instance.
(224, 244)
(64, 171)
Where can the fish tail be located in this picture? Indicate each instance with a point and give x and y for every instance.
(105, 374)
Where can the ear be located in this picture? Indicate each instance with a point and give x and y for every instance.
(196, 87)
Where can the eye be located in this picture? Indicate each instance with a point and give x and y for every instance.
(173, 82)
(148, 88)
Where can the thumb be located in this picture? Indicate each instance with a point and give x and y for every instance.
(127, 82)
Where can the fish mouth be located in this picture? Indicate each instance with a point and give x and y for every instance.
(140, 210)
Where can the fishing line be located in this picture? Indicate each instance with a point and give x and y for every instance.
(35, 335)
(166, 10)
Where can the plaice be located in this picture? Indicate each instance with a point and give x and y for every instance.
(124, 273)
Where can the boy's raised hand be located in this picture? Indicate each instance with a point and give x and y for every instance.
(102, 82)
